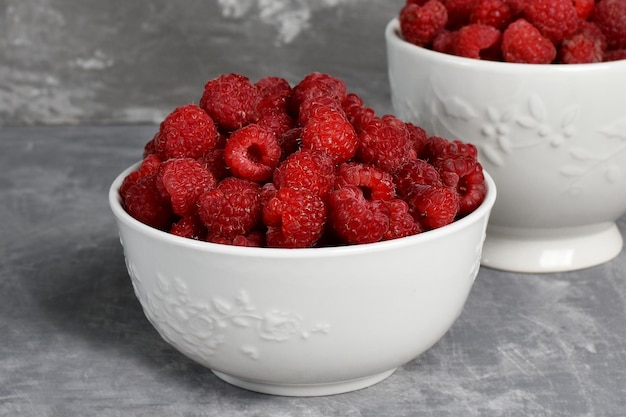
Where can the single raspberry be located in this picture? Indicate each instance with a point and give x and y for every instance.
(384, 142)
(465, 176)
(214, 162)
(517, 7)
(614, 55)
(496, 13)
(231, 100)
(252, 153)
(149, 165)
(145, 203)
(232, 208)
(523, 43)
(401, 223)
(584, 8)
(316, 84)
(289, 142)
(580, 49)
(306, 170)
(311, 106)
(375, 183)
(459, 12)
(415, 172)
(182, 181)
(354, 219)
(150, 146)
(437, 148)
(329, 131)
(190, 227)
(294, 219)
(356, 112)
(610, 16)
(277, 121)
(555, 19)
(433, 206)
(417, 137)
(478, 41)
(187, 132)
(273, 92)
(445, 42)
(592, 30)
(252, 240)
(420, 24)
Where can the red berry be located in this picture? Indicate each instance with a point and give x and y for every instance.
(356, 112)
(232, 208)
(614, 55)
(273, 93)
(252, 153)
(437, 148)
(354, 219)
(145, 203)
(523, 43)
(375, 183)
(610, 16)
(465, 176)
(433, 206)
(187, 132)
(252, 240)
(276, 121)
(294, 219)
(231, 100)
(190, 227)
(445, 42)
(306, 170)
(385, 143)
(290, 141)
(329, 131)
(580, 49)
(417, 137)
(477, 41)
(149, 165)
(419, 25)
(584, 8)
(459, 12)
(555, 19)
(214, 162)
(401, 223)
(182, 181)
(311, 106)
(496, 13)
(415, 172)
(316, 84)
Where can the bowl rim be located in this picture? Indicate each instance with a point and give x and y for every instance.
(122, 216)
(392, 36)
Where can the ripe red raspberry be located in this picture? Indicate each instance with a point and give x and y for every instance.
(145, 203)
(187, 132)
(555, 19)
(252, 153)
(306, 170)
(420, 24)
(182, 181)
(465, 176)
(273, 93)
(496, 13)
(517, 7)
(610, 16)
(523, 43)
(277, 121)
(232, 208)
(311, 106)
(190, 227)
(415, 172)
(356, 112)
(584, 8)
(294, 219)
(214, 162)
(149, 165)
(417, 137)
(459, 12)
(437, 148)
(375, 183)
(401, 223)
(290, 142)
(445, 42)
(580, 49)
(614, 55)
(231, 100)
(253, 239)
(354, 219)
(316, 84)
(478, 41)
(385, 143)
(329, 131)
(433, 206)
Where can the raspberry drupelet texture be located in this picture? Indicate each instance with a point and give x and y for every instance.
(415, 172)
(252, 153)
(401, 223)
(478, 41)
(316, 85)
(306, 170)
(187, 132)
(421, 24)
(433, 206)
(375, 183)
(328, 130)
(294, 218)
(610, 16)
(145, 203)
(149, 165)
(555, 19)
(190, 227)
(580, 49)
(356, 112)
(495, 13)
(232, 208)
(464, 175)
(385, 143)
(523, 43)
(231, 100)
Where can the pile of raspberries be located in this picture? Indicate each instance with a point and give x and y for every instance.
(521, 31)
(269, 165)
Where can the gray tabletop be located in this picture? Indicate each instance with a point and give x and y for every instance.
(74, 340)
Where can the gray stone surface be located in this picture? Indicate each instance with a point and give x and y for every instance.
(81, 61)
(74, 341)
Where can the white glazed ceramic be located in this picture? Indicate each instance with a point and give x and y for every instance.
(303, 322)
(553, 137)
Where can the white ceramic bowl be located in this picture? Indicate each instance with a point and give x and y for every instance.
(553, 137)
(303, 322)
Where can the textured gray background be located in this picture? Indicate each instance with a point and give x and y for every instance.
(95, 61)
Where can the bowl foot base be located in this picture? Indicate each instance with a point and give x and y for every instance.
(304, 390)
(545, 250)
